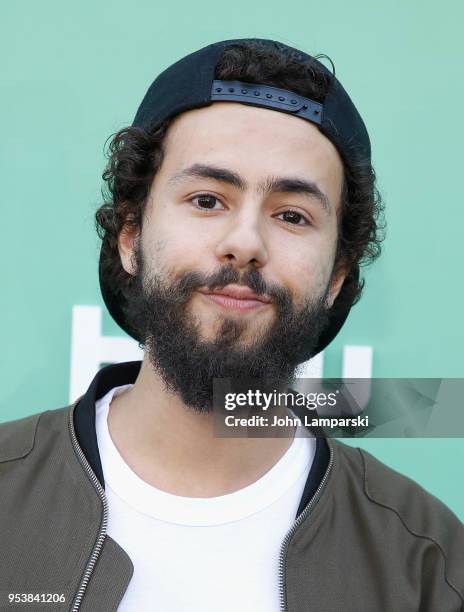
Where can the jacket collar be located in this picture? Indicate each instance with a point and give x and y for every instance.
(84, 413)
(126, 373)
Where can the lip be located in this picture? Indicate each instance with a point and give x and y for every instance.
(236, 297)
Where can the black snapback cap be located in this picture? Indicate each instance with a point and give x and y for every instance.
(190, 83)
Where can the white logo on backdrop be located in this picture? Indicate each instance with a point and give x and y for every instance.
(89, 349)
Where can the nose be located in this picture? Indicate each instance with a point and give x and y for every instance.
(243, 241)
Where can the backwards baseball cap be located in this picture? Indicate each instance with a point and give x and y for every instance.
(190, 83)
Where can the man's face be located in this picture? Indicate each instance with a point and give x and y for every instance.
(240, 229)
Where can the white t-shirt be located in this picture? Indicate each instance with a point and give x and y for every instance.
(201, 554)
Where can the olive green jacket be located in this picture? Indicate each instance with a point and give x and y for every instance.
(365, 539)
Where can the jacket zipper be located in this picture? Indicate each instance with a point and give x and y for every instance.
(284, 548)
(76, 604)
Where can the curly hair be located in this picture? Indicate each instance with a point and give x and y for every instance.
(135, 155)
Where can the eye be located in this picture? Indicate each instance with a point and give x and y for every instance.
(294, 217)
(205, 201)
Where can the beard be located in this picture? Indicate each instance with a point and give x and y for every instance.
(157, 309)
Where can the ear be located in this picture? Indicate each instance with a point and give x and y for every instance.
(127, 239)
(338, 278)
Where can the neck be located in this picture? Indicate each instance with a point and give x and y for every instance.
(172, 447)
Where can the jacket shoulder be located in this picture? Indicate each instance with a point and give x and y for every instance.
(18, 437)
(421, 512)
(416, 511)
(386, 487)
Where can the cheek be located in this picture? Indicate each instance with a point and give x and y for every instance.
(173, 246)
(306, 267)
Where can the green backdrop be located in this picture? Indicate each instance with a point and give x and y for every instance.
(74, 73)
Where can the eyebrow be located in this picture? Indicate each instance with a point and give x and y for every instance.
(270, 185)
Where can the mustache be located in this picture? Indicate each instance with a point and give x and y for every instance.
(189, 282)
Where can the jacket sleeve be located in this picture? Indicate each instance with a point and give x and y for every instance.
(443, 576)
(434, 533)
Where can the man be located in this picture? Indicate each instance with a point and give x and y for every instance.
(241, 204)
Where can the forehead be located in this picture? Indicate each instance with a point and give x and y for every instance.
(255, 143)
